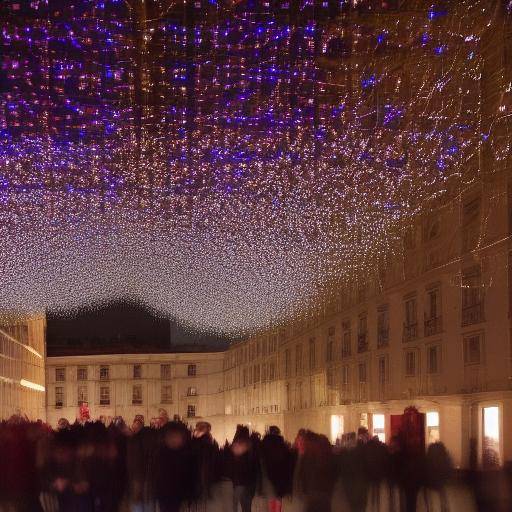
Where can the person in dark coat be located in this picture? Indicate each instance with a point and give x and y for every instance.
(315, 474)
(207, 461)
(175, 469)
(242, 469)
(276, 468)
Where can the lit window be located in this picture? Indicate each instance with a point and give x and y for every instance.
(491, 437)
(432, 420)
(379, 427)
(137, 371)
(104, 372)
(165, 371)
(191, 370)
(60, 374)
(191, 391)
(336, 427)
(137, 395)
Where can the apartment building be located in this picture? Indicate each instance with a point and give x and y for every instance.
(431, 332)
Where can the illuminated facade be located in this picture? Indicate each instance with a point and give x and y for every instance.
(22, 378)
(432, 332)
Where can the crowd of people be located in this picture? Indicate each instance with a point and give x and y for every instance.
(93, 467)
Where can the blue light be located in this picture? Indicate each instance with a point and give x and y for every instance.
(368, 82)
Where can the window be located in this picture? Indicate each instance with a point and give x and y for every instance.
(166, 394)
(104, 372)
(383, 370)
(82, 395)
(81, 373)
(59, 396)
(433, 303)
(382, 326)
(410, 323)
(433, 312)
(433, 359)
(60, 374)
(287, 362)
(191, 370)
(330, 350)
(345, 376)
(137, 395)
(362, 373)
(472, 349)
(491, 437)
(298, 360)
(330, 378)
(104, 395)
(379, 427)
(312, 354)
(410, 363)
(191, 411)
(410, 311)
(362, 342)
(137, 371)
(256, 373)
(272, 371)
(470, 225)
(346, 349)
(336, 427)
(472, 297)
(165, 371)
(432, 423)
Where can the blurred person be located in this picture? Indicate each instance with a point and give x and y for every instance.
(242, 469)
(175, 469)
(315, 475)
(207, 463)
(440, 491)
(276, 468)
(382, 494)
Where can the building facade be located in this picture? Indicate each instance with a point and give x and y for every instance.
(432, 331)
(22, 378)
(188, 385)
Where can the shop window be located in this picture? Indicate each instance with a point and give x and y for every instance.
(336, 427)
(379, 427)
(432, 424)
(491, 437)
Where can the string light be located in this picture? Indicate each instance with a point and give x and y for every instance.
(230, 165)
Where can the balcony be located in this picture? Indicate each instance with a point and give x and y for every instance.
(362, 342)
(433, 325)
(410, 332)
(382, 338)
(473, 314)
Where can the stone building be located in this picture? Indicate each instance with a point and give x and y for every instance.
(186, 384)
(431, 331)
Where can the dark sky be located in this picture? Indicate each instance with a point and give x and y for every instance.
(121, 327)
